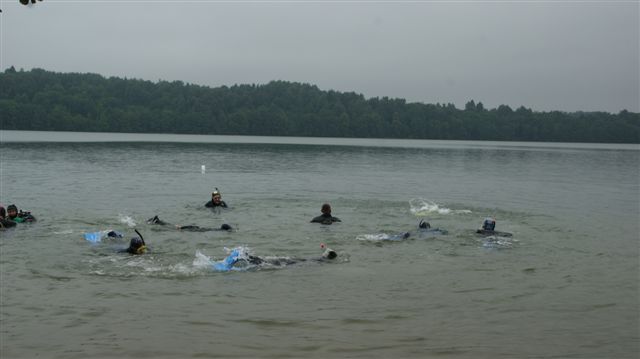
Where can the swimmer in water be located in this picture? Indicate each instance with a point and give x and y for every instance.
(424, 227)
(279, 261)
(424, 230)
(325, 217)
(137, 245)
(489, 224)
(248, 260)
(19, 217)
(216, 200)
(489, 228)
(191, 228)
(4, 221)
(114, 234)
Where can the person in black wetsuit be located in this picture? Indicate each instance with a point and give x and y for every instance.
(136, 246)
(191, 228)
(489, 224)
(424, 230)
(325, 217)
(4, 221)
(489, 229)
(328, 254)
(424, 224)
(19, 217)
(216, 200)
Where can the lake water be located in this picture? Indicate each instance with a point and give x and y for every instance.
(566, 285)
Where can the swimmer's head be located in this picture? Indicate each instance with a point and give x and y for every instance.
(216, 196)
(12, 211)
(424, 224)
(136, 246)
(114, 234)
(329, 254)
(3, 212)
(226, 227)
(489, 224)
(326, 208)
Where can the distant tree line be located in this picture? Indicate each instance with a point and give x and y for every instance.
(49, 101)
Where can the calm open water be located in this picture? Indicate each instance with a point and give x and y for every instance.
(566, 285)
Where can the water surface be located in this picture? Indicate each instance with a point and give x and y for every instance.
(565, 284)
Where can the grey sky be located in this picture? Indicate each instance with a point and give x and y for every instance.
(546, 55)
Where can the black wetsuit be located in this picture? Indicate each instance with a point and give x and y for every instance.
(6, 223)
(223, 227)
(210, 204)
(136, 246)
(255, 260)
(156, 220)
(285, 261)
(325, 218)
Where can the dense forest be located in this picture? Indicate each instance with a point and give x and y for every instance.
(49, 101)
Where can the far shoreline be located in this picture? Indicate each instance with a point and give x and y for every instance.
(17, 136)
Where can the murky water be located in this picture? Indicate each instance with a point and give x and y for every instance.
(565, 285)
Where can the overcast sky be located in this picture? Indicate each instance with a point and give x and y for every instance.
(545, 55)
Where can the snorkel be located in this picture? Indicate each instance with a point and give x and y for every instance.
(135, 247)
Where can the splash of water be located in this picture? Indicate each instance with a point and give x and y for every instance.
(128, 220)
(203, 261)
(243, 251)
(495, 242)
(380, 237)
(423, 207)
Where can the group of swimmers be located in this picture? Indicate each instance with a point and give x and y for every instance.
(326, 218)
(488, 225)
(137, 245)
(216, 202)
(11, 216)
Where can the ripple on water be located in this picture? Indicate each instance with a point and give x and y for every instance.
(421, 207)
